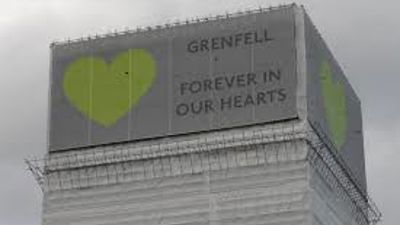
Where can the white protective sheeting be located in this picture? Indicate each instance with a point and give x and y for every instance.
(266, 184)
(326, 206)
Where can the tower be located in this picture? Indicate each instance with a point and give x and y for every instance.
(242, 119)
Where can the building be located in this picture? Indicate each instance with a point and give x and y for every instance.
(238, 119)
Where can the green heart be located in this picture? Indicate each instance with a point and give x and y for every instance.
(335, 105)
(106, 92)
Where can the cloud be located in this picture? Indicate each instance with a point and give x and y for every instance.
(362, 34)
(382, 157)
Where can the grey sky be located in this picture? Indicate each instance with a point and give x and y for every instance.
(364, 35)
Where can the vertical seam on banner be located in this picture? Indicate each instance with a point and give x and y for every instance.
(130, 72)
(50, 102)
(212, 118)
(300, 64)
(296, 59)
(90, 99)
(253, 109)
(169, 87)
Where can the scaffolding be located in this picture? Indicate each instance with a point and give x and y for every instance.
(325, 158)
(113, 159)
(178, 23)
